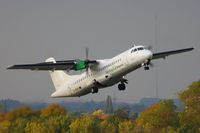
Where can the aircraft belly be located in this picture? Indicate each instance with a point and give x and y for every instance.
(82, 92)
(82, 89)
(64, 92)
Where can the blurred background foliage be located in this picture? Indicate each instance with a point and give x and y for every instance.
(162, 117)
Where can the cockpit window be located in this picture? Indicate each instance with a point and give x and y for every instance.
(137, 49)
(134, 50)
(141, 48)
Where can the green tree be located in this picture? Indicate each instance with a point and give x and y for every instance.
(58, 124)
(35, 127)
(110, 125)
(189, 117)
(158, 116)
(5, 127)
(18, 126)
(85, 124)
(169, 130)
(52, 124)
(126, 126)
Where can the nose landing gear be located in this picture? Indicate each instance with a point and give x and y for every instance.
(146, 65)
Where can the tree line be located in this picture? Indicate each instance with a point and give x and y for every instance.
(162, 117)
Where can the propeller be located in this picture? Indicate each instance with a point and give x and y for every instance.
(86, 52)
(87, 60)
(151, 64)
(149, 47)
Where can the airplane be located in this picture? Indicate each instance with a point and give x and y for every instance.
(98, 74)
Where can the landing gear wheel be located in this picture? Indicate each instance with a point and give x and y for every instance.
(146, 68)
(121, 87)
(95, 90)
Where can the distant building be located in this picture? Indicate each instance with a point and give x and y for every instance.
(109, 106)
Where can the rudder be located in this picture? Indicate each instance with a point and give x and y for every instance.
(58, 77)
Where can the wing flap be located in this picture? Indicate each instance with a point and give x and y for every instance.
(167, 53)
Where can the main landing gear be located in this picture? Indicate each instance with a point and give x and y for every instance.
(122, 85)
(95, 90)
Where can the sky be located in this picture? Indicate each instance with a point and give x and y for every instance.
(33, 30)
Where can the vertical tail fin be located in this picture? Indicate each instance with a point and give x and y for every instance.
(58, 77)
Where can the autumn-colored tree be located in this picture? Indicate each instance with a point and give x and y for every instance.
(58, 124)
(53, 110)
(110, 125)
(85, 124)
(2, 116)
(16, 119)
(100, 114)
(21, 112)
(53, 124)
(191, 96)
(35, 127)
(123, 112)
(90, 124)
(99, 111)
(169, 130)
(126, 126)
(18, 125)
(190, 116)
(158, 116)
(6, 127)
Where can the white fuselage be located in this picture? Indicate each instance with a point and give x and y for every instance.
(105, 72)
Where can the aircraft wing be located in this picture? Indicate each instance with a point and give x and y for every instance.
(58, 65)
(167, 53)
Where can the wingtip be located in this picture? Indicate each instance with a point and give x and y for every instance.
(191, 48)
(9, 67)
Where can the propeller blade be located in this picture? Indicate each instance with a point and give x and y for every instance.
(149, 47)
(151, 64)
(86, 52)
(87, 60)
